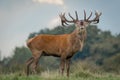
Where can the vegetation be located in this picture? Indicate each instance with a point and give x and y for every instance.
(78, 72)
(99, 60)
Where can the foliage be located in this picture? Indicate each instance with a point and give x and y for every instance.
(112, 64)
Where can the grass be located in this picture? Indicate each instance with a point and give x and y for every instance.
(80, 71)
(53, 75)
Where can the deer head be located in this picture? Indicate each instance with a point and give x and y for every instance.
(80, 24)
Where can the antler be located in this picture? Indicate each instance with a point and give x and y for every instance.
(96, 19)
(64, 20)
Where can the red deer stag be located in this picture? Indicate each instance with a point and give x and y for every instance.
(63, 46)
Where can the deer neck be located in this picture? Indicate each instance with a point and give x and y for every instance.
(79, 35)
(78, 39)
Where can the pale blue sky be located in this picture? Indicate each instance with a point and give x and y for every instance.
(18, 18)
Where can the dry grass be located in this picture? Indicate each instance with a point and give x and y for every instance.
(79, 71)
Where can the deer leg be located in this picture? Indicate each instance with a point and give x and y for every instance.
(28, 63)
(35, 62)
(34, 65)
(62, 66)
(68, 66)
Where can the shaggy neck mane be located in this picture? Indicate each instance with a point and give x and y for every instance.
(82, 35)
(77, 40)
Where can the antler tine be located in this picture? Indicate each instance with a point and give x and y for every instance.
(76, 15)
(84, 15)
(63, 23)
(97, 17)
(95, 20)
(89, 16)
(71, 17)
(64, 20)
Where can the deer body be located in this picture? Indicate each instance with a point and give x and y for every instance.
(63, 46)
(56, 45)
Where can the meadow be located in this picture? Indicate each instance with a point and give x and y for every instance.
(54, 76)
(79, 71)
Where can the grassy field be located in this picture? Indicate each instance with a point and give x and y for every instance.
(79, 71)
(82, 75)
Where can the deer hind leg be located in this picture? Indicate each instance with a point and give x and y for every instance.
(34, 65)
(28, 63)
(37, 55)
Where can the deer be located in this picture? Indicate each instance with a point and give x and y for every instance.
(63, 46)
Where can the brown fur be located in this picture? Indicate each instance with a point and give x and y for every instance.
(63, 46)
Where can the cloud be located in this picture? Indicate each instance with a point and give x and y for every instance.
(54, 22)
(56, 2)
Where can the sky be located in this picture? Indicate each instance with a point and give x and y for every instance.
(19, 18)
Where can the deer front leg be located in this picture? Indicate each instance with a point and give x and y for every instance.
(62, 65)
(68, 66)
